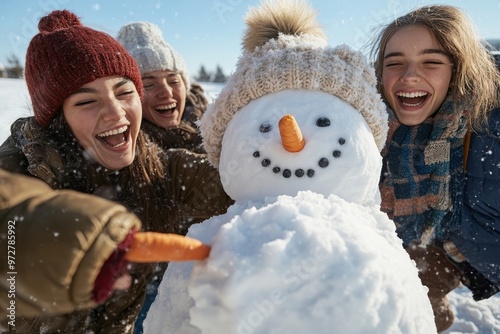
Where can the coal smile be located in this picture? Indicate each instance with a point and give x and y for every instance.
(323, 162)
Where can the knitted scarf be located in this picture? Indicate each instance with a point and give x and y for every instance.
(422, 176)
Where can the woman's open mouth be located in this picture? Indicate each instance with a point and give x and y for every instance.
(413, 99)
(166, 109)
(116, 137)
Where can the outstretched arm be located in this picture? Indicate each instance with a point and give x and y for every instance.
(59, 242)
(67, 251)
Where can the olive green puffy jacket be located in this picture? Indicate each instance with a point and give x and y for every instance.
(54, 244)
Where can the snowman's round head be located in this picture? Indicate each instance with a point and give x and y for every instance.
(337, 155)
(285, 48)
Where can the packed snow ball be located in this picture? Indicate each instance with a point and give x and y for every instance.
(302, 264)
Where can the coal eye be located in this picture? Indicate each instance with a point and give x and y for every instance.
(323, 122)
(265, 127)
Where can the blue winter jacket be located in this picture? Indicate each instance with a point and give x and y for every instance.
(478, 236)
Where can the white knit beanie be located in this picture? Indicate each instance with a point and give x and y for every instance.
(144, 41)
(285, 48)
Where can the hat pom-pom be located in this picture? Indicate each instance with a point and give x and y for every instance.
(58, 19)
(275, 17)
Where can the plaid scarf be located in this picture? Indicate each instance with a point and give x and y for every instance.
(422, 176)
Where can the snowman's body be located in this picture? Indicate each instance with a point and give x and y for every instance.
(305, 248)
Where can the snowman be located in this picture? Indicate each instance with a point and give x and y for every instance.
(296, 135)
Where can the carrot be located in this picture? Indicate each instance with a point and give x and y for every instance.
(291, 136)
(163, 247)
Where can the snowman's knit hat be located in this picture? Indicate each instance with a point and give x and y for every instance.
(285, 48)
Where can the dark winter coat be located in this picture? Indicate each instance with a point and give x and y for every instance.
(478, 235)
(187, 134)
(188, 191)
(422, 176)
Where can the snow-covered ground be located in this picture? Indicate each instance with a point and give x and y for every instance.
(15, 103)
(471, 316)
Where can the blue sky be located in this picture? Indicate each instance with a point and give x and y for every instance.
(209, 32)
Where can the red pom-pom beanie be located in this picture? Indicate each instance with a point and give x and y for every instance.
(66, 55)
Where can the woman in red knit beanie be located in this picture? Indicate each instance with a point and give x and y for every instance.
(71, 66)
(85, 135)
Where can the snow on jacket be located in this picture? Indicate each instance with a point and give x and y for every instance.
(478, 236)
(189, 191)
(54, 245)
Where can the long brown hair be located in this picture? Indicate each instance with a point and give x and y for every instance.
(475, 79)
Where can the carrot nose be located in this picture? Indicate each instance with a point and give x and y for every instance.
(149, 247)
(291, 136)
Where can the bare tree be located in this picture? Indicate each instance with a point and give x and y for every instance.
(14, 68)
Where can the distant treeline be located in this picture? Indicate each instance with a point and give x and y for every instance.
(14, 69)
(208, 76)
(494, 44)
(219, 76)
